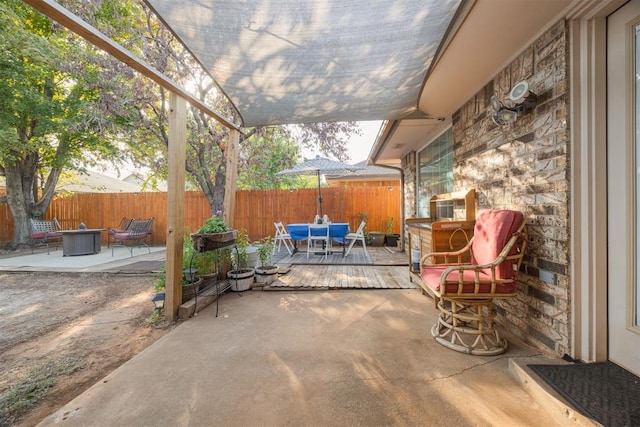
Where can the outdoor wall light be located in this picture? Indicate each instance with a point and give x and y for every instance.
(523, 100)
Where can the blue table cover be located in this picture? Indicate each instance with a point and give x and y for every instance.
(337, 231)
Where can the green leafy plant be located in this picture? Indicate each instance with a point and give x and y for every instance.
(215, 224)
(240, 258)
(203, 262)
(388, 225)
(265, 250)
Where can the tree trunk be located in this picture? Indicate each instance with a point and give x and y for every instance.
(216, 201)
(18, 206)
(21, 198)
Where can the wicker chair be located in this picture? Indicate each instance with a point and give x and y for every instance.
(464, 292)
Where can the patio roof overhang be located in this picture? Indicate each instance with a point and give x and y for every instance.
(492, 34)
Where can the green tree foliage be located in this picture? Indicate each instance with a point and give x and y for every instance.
(65, 105)
(263, 150)
(61, 104)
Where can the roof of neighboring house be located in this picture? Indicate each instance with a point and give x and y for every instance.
(138, 180)
(93, 182)
(368, 172)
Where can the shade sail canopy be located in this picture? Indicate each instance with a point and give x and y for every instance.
(293, 61)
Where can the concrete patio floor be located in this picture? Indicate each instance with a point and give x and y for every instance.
(307, 358)
(103, 261)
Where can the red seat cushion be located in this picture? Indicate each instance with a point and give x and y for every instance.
(431, 277)
(129, 235)
(39, 235)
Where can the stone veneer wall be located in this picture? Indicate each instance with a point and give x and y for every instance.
(409, 168)
(525, 166)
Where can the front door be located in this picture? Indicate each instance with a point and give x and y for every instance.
(623, 184)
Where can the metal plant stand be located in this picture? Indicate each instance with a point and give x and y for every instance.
(215, 242)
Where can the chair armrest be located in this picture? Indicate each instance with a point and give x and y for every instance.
(447, 256)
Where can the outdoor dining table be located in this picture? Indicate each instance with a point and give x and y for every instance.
(337, 231)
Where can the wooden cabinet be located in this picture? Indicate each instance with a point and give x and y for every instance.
(441, 234)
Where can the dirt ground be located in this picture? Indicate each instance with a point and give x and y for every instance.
(60, 333)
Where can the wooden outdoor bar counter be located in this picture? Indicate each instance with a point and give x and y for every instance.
(438, 233)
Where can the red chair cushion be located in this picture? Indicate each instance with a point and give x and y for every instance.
(492, 231)
(431, 277)
(129, 235)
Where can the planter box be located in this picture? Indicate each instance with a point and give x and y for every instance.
(210, 242)
(391, 239)
(191, 290)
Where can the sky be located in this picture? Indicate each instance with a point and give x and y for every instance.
(360, 146)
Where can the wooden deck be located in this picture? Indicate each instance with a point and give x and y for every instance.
(325, 277)
(376, 256)
(384, 268)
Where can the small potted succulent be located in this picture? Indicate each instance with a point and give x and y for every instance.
(266, 272)
(241, 276)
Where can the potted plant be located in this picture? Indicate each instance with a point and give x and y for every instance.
(241, 276)
(190, 287)
(198, 264)
(390, 238)
(266, 272)
(214, 234)
(377, 238)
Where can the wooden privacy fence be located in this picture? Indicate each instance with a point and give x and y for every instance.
(256, 210)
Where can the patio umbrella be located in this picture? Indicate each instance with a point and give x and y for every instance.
(320, 166)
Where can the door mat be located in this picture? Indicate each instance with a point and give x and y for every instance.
(603, 391)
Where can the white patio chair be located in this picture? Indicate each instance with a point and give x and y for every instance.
(282, 237)
(318, 233)
(354, 237)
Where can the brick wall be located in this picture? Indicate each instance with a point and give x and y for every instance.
(524, 166)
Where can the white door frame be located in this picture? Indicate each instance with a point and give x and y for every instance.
(588, 208)
(624, 334)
